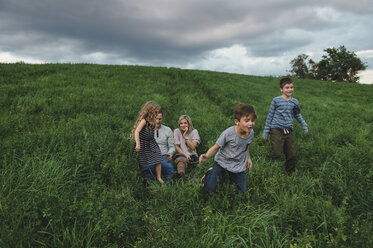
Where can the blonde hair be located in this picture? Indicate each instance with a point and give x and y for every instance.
(189, 120)
(149, 112)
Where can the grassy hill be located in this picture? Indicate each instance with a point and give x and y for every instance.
(67, 178)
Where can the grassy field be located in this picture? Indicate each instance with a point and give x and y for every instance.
(67, 178)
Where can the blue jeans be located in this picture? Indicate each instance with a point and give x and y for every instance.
(167, 169)
(216, 176)
(148, 171)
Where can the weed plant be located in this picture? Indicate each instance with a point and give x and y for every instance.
(67, 177)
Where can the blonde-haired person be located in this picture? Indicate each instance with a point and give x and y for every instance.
(149, 154)
(186, 140)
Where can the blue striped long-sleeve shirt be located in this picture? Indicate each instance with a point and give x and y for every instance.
(281, 114)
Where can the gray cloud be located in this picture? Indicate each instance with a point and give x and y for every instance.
(177, 32)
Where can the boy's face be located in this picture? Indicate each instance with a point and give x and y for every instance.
(287, 90)
(245, 124)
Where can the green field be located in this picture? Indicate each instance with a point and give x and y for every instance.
(67, 178)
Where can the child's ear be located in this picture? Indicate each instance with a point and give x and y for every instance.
(236, 121)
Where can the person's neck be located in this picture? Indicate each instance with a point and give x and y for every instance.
(286, 97)
(240, 133)
(158, 127)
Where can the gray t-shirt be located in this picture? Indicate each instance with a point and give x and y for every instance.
(232, 154)
(165, 140)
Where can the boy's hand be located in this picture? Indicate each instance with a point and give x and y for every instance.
(265, 138)
(305, 132)
(202, 158)
(249, 164)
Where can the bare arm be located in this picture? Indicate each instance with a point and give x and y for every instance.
(137, 134)
(249, 162)
(192, 145)
(179, 150)
(209, 153)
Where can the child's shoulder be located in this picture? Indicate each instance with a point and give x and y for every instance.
(278, 98)
(229, 131)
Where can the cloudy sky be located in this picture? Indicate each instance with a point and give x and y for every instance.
(240, 36)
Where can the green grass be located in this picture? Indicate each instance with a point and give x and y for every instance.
(67, 178)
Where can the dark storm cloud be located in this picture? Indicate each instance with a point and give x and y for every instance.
(159, 31)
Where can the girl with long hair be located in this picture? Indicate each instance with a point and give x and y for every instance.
(149, 154)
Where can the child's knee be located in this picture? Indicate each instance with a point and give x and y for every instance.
(210, 187)
(211, 182)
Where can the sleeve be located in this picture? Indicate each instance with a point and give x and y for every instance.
(194, 136)
(270, 115)
(177, 137)
(299, 117)
(170, 141)
(222, 139)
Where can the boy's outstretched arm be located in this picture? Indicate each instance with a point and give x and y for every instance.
(213, 149)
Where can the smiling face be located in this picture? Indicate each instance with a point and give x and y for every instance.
(287, 90)
(245, 125)
(183, 125)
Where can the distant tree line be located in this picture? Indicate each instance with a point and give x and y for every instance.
(337, 65)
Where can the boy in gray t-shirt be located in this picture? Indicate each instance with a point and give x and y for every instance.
(232, 151)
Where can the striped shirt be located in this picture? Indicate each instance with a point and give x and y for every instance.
(281, 114)
(149, 153)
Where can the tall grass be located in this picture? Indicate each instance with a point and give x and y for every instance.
(67, 178)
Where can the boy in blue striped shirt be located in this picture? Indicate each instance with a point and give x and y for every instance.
(279, 124)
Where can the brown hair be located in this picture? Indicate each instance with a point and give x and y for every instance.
(285, 80)
(243, 109)
(149, 112)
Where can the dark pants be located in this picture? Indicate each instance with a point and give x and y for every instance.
(216, 175)
(283, 142)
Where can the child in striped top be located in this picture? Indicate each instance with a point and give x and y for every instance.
(279, 124)
(149, 153)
